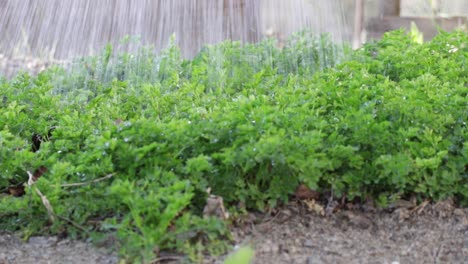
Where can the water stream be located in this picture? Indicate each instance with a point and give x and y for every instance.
(63, 29)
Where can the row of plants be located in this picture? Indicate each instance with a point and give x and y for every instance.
(126, 145)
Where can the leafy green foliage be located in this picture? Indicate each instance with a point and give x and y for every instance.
(243, 255)
(249, 122)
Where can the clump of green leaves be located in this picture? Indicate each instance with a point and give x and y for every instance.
(146, 135)
(243, 255)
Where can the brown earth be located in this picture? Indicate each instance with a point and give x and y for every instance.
(436, 234)
(297, 233)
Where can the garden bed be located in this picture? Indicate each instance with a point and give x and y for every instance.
(132, 146)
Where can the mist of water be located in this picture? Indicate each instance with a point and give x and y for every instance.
(64, 29)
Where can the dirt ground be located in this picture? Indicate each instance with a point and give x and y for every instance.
(436, 234)
(297, 233)
(49, 250)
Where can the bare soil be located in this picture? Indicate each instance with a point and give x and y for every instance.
(50, 250)
(298, 233)
(436, 234)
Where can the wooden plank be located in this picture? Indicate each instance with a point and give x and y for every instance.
(358, 24)
(425, 8)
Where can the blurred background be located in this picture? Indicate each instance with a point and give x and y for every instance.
(35, 33)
